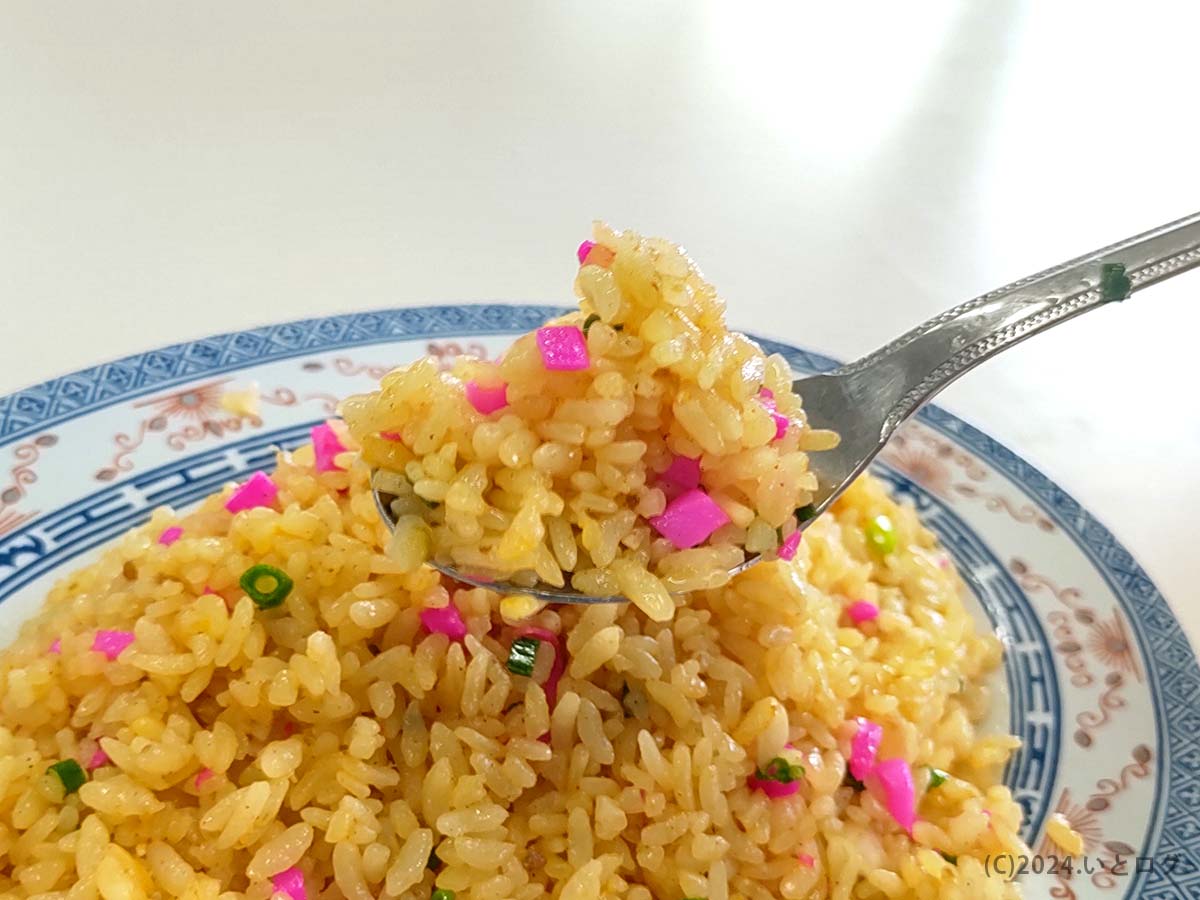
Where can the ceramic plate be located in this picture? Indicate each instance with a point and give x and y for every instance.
(1101, 683)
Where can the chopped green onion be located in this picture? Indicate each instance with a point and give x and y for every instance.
(949, 857)
(881, 535)
(593, 319)
(70, 773)
(779, 769)
(853, 782)
(268, 596)
(804, 513)
(936, 778)
(442, 894)
(1114, 283)
(522, 655)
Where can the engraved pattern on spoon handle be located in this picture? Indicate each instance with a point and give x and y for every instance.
(1174, 247)
(937, 352)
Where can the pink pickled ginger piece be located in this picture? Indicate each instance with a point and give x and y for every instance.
(690, 519)
(563, 348)
(773, 789)
(781, 425)
(600, 256)
(445, 620)
(487, 399)
(202, 776)
(684, 472)
(767, 398)
(392, 436)
(895, 782)
(112, 643)
(863, 747)
(55, 646)
(806, 860)
(290, 882)
(791, 543)
(862, 611)
(584, 249)
(258, 490)
(326, 446)
(99, 758)
(170, 535)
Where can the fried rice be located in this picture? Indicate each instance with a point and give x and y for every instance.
(270, 696)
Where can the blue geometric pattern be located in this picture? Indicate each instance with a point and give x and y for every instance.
(1173, 673)
(42, 405)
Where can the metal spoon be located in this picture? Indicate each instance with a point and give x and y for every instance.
(865, 401)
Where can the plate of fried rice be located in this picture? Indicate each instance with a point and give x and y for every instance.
(226, 677)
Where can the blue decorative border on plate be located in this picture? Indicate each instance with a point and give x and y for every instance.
(1174, 675)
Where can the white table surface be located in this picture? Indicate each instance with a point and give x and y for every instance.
(171, 170)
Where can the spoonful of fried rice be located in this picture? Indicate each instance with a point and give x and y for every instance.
(637, 449)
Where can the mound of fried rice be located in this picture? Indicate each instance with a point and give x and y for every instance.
(335, 747)
(563, 478)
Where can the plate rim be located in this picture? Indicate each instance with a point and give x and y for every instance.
(32, 409)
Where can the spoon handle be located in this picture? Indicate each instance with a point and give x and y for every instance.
(907, 372)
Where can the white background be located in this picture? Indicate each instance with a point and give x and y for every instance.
(840, 170)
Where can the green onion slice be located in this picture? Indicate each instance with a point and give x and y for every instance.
(593, 319)
(881, 535)
(522, 655)
(266, 585)
(1114, 283)
(804, 513)
(779, 769)
(442, 894)
(936, 778)
(70, 773)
